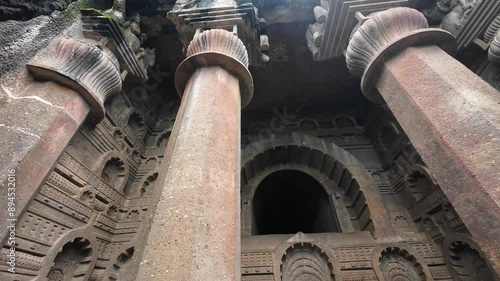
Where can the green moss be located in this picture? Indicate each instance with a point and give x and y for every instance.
(88, 5)
(82, 4)
(102, 13)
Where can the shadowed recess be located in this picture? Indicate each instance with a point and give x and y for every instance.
(290, 201)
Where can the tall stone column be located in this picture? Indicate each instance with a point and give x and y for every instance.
(451, 116)
(37, 124)
(196, 230)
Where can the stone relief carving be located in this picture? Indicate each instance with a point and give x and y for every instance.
(438, 12)
(467, 262)
(90, 218)
(306, 262)
(397, 264)
(417, 209)
(455, 18)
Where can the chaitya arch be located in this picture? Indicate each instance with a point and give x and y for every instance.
(345, 180)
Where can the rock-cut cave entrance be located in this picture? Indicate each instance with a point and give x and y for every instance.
(289, 201)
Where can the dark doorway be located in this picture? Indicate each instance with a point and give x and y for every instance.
(290, 201)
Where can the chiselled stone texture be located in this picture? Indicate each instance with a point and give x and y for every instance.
(81, 66)
(343, 256)
(378, 32)
(306, 153)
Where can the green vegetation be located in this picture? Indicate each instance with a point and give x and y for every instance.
(82, 4)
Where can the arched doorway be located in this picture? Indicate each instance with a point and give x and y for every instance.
(357, 202)
(289, 201)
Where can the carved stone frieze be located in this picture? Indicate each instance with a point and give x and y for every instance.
(90, 217)
(329, 36)
(81, 66)
(124, 42)
(469, 18)
(191, 17)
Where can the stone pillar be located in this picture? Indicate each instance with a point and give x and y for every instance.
(196, 230)
(451, 116)
(37, 124)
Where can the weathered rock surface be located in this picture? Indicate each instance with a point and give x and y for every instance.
(27, 9)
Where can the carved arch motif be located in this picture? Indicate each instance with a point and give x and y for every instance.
(466, 259)
(360, 190)
(306, 261)
(396, 262)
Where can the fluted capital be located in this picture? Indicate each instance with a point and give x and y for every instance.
(383, 36)
(80, 66)
(494, 51)
(218, 41)
(382, 29)
(217, 47)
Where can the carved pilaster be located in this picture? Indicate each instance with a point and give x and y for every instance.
(385, 34)
(82, 67)
(217, 47)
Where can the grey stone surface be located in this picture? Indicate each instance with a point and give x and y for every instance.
(19, 41)
(26, 9)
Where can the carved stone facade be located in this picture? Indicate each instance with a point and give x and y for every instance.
(421, 228)
(90, 218)
(134, 162)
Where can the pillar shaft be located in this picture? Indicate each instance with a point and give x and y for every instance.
(452, 118)
(195, 235)
(37, 124)
(35, 128)
(196, 230)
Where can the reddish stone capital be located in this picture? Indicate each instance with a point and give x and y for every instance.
(217, 47)
(385, 34)
(382, 29)
(82, 67)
